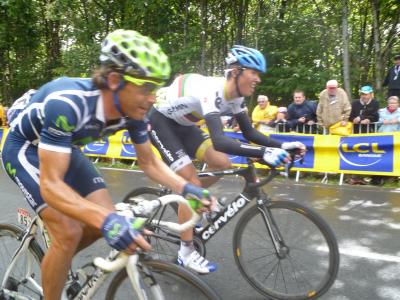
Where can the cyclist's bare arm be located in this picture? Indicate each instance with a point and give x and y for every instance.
(156, 169)
(53, 167)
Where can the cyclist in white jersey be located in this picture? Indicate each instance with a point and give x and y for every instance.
(193, 97)
(60, 184)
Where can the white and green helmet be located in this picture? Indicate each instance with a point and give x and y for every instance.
(135, 54)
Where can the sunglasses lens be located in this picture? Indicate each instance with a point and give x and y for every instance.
(151, 87)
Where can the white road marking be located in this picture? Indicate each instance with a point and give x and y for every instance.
(365, 254)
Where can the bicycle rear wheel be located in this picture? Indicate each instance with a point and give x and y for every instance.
(309, 265)
(175, 282)
(25, 276)
(165, 243)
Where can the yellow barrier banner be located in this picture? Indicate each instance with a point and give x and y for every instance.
(355, 154)
(3, 135)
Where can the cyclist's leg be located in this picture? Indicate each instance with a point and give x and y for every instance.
(72, 235)
(214, 159)
(90, 235)
(172, 141)
(67, 235)
(67, 238)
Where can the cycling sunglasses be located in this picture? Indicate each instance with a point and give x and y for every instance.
(149, 85)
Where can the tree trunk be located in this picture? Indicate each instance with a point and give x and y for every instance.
(377, 45)
(203, 36)
(186, 24)
(345, 41)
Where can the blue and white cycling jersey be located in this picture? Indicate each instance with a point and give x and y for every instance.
(67, 112)
(62, 113)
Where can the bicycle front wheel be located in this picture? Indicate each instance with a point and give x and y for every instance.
(175, 282)
(308, 264)
(24, 276)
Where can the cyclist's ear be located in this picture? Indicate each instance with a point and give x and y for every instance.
(113, 80)
(234, 73)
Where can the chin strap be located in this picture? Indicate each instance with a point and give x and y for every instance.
(117, 104)
(237, 82)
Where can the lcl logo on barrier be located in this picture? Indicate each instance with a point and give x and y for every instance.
(99, 147)
(127, 149)
(366, 153)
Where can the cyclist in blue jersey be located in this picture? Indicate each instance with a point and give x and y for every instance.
(193, 97)
(41, 153)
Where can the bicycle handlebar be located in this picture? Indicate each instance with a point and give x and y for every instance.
(274, 172)
(146, 208)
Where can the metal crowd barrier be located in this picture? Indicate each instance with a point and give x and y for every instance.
(319, 129)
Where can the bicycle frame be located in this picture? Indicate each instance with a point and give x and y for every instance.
(252, 190)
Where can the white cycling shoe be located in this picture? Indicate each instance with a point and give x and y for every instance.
(194, 261)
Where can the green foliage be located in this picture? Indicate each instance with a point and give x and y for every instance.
(43, 39)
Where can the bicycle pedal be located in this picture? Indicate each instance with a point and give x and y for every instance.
(73, 289)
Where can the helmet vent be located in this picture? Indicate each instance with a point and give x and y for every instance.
(124, 59)
(114, 50)
(133, 53)
(125, 45)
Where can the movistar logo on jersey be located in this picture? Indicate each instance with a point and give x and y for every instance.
(11, 171)
(114, 231)
(62, 122)
(366, 153)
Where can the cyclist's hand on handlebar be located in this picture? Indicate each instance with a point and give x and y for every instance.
(201, 199)
(124, 233)
(298, 147)
(276, 157)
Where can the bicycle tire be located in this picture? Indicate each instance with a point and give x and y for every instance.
(164, 242)
(305, 252)
(10, 236)
(175, 282)
(154, 191)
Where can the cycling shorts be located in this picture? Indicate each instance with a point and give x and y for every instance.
(21, 162)
(177, 144)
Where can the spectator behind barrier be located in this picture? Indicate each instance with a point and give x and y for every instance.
(302, 114)
(333, 106)
(389, 116)
(263, 113)
(392, 80)
(364, 112)
(280, 123)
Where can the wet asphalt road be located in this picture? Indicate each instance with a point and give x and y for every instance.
(366, 221)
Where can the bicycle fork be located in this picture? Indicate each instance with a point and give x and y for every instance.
(280, 247)
(132, 268)
(23, 249)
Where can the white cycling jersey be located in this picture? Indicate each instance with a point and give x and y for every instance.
(192, 96)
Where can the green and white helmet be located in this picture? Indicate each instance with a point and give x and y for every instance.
(135, 54)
